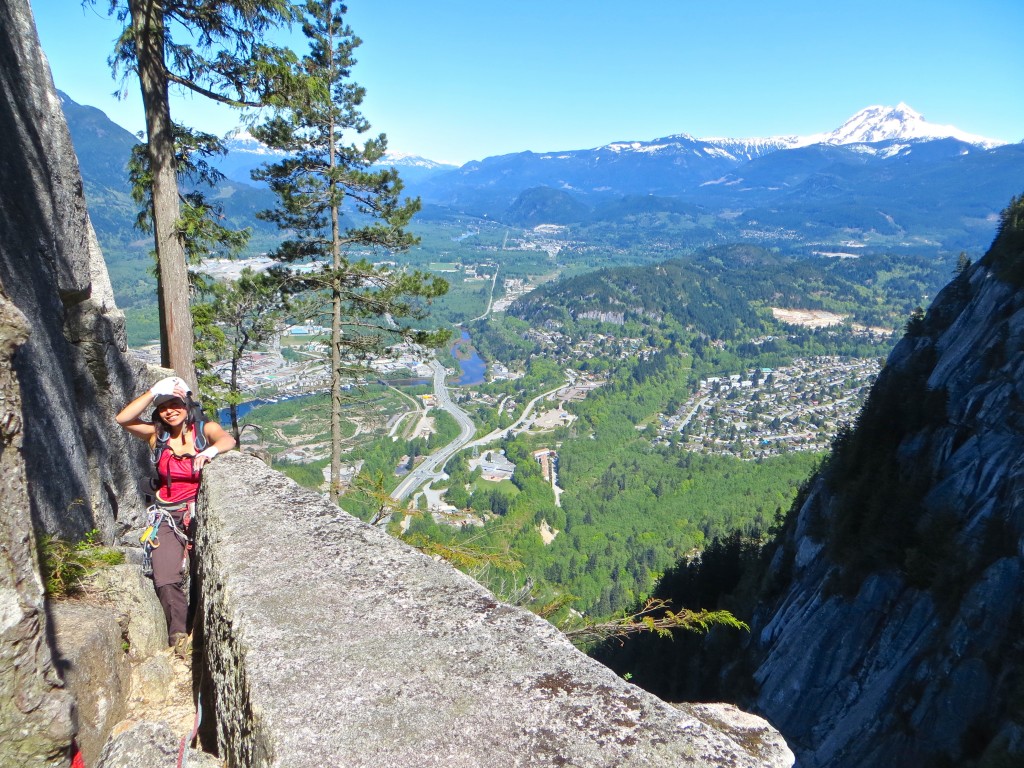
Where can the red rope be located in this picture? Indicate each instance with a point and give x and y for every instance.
(188, 738)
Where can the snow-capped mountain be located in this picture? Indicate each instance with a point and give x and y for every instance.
(878, 123)
(244, 142)
(871, 125)
(402, 160)
(748, 149)
(885, 170)
(684, 143)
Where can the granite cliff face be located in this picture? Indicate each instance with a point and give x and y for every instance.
(36, 715)
(72, 369)
(63, 470)
(892, 636)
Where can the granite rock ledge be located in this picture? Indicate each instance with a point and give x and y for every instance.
(327, 642)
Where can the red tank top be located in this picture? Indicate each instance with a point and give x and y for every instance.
(184, 481)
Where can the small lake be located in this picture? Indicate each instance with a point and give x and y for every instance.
(472, 368)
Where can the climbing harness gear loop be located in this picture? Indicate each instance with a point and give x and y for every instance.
(158, 514)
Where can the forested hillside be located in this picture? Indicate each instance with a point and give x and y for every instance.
(629, 510)
(724, 292)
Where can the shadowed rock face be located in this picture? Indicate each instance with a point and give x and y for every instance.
(36, 715)
(328, 642)
(64, 467)
(896, 639)
(72, 370)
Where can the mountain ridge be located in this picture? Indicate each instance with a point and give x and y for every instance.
(908, 191)
(872, 124)
(246, 153)
(914, 184)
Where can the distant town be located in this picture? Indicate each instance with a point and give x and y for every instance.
(771, 411)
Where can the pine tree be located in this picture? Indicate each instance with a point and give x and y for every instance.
(225, 59)
(325, 178)
(234, 318)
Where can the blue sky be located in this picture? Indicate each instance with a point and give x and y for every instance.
(454, 80)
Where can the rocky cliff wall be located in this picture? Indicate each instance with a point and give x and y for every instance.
(894, 638)
(328, 642)
(72, 370)
(36, 715)
(64, 467)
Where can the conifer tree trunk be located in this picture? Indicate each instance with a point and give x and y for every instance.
(335, 329)
(233, 407)
(175, 319)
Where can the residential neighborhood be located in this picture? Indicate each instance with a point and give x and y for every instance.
(770, 411)
(592, 346)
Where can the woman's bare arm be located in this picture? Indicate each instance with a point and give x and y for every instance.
(130, 417)
(219, 440)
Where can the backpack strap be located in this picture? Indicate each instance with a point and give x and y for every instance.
(163, 437)
(199, 422)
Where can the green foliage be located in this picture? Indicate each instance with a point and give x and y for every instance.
(464, 555)
(232, 319)
(630, 510)
(216, 50)
(915, 325)
(722, 577)
(309, 475)
(201, 222)
(1007, 252)
(67, 565)
(143, 325)
(654, 617)
(875, 522)
(723, 293)
(503, 339)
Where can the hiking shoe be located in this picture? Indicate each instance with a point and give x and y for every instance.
(182, 645)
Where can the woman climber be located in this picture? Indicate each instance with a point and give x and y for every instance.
(183, 442)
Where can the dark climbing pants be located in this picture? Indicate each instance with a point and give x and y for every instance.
(171, 564)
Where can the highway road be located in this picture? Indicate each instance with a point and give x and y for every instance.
(433, 465)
